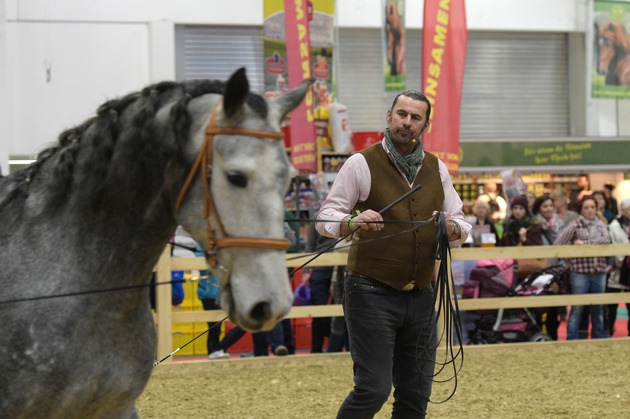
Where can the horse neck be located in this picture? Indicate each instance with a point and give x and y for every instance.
(620, 54)
(121, 237)
(134, 235)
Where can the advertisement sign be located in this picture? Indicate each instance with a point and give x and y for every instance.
(611, 50)
(492, 154)
(298, 39)
(394, 39)
(443, 58)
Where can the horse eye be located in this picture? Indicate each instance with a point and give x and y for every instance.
(237, 179)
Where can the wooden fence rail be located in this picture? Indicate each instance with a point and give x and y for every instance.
(165, 316)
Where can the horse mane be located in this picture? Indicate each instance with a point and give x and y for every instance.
(123, 147)
(616, 32)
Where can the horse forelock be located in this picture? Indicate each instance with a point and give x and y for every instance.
(258, 105)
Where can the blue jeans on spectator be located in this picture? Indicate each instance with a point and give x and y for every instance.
(392, 341)
(585, 283)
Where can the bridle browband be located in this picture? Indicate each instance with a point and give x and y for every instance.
(204, 158)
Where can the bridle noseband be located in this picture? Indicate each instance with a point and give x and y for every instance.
(204, 158)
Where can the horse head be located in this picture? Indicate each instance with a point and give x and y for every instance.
(613, 45)
(244, 175)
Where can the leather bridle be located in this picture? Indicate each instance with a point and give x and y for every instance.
(204, 158)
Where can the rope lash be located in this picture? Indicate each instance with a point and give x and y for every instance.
(447, 307)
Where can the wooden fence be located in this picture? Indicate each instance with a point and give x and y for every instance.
(165, 316)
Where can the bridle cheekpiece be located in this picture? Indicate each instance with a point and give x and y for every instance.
(204, 158)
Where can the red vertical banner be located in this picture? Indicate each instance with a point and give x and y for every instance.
(443, 58)
(303, 147)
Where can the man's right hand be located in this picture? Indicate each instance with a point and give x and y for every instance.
(367, 220)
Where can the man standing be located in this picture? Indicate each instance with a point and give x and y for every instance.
(583, 189)
(388, 295)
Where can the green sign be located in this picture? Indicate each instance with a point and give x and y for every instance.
(561, 153)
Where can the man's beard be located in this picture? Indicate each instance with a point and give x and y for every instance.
(403, 139)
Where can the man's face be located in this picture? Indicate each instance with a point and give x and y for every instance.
(407, 120)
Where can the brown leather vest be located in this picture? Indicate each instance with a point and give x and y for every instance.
(398, 260)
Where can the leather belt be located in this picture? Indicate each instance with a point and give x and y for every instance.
(409, 287)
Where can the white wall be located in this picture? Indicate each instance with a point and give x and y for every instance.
(99, 49)
(4, 95)
(555, 15)
(61, 72)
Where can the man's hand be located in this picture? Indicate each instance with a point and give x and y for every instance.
(450, 225)
(367, 220)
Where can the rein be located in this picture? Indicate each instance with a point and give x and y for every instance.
(204, 158)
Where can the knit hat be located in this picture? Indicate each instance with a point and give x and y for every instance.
(520, 200)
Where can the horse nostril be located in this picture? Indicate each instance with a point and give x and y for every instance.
(261, 312)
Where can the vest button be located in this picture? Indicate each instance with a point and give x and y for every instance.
(414, 213)
(413, 198)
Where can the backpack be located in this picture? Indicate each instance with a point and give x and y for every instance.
(208, 286)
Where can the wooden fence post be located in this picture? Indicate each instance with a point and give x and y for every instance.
(163, 306)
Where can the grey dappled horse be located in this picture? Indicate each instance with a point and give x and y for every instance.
(95, 211)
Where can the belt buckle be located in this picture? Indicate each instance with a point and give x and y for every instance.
(410, 286)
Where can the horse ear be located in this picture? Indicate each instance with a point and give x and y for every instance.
(236, 91)
(290, 100)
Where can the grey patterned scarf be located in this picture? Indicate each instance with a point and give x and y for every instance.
(591, 226)
(407, 164)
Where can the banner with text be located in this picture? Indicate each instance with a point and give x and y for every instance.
(394, 38)
(443, 58)
(495, 155)
(611, 49)
(298, 39)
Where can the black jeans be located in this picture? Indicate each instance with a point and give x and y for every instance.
(320, 293)
(392, 341)
(215, 328)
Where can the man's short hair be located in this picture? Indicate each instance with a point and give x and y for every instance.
(416, 95)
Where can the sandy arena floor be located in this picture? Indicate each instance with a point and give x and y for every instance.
(586, 379)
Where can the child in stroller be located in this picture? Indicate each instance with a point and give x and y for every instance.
(497, 278)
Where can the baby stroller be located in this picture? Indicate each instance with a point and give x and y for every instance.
(496, 278)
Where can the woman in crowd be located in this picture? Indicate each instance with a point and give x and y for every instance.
(587, 275)
(545, 212)
(561, 202)
(482, 222)
(619, 234)
(521, 228)
(602, 207)
(531, 198)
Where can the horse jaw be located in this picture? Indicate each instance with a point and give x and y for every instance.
(256, 292)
